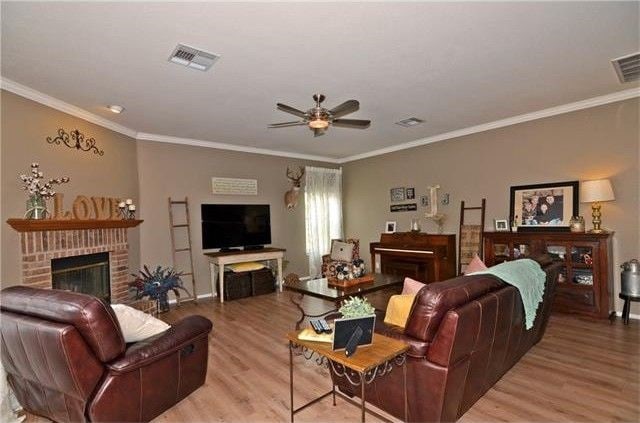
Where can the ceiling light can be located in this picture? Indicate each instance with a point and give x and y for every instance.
(115, 108)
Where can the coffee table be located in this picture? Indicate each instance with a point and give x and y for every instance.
(362, 368)
(320, 288)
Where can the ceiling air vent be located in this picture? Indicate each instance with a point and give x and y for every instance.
(627, 67)
(193, 58)
(412, 121)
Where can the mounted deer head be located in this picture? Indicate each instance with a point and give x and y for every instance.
(291, 196)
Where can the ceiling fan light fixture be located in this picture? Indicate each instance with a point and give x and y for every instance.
(318, 124)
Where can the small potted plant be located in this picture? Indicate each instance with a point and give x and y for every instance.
(157, 284)
(356, 307)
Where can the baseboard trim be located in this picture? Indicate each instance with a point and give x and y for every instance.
(199, 297)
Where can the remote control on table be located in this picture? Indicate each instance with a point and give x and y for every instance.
(325, 326)
(317, 327)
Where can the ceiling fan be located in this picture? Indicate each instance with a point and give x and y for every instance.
(318, 119)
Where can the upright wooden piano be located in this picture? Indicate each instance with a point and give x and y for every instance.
(423, 257)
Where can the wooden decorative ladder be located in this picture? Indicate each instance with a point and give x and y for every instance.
(174, 251)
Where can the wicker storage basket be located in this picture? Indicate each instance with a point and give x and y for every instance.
(262, 282)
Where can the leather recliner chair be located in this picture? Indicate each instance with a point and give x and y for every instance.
(66, 359)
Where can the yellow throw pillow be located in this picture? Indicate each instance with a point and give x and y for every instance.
(246, 267)
(398, 309)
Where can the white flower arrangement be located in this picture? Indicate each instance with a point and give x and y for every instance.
(34, 184)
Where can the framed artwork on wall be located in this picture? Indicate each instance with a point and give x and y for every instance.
(397, 194)
(410, 193)
(544, 207)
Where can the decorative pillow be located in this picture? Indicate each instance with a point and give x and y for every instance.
(475, 265)
(137, 325)
(246, 267)
(411, 286)
(398, 309)
(341, 251)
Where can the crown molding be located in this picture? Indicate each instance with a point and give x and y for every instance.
(47, 100)
(231, 147)
(544, 113)
(54, 103)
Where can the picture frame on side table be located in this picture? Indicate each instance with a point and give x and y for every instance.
(501, 225)
(397, 194)
(390, 227)
(544, 207)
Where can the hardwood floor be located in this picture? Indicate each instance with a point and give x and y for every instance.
(582, 370)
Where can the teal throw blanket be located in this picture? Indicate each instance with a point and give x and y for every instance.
(528, 277)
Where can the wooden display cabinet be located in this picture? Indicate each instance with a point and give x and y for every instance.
(584, 283)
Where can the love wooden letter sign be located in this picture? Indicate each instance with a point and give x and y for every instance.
(85, 208)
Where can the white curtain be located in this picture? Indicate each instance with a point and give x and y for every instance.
(323, 213)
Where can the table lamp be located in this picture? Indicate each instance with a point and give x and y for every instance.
(595, 192)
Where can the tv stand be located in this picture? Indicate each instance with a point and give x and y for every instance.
(220, 259)
(226, 250)
(253, 247)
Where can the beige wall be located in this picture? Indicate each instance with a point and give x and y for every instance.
(600, 142)
(25, 126)
(176, 170)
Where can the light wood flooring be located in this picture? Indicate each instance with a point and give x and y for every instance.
(582, 371)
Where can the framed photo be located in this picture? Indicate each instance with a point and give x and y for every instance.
(501, 225)
(397, 194)
(410, 193)
(424, 200)
(390, 227)
(544, 207)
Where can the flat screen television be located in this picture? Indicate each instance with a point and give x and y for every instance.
(235, 225)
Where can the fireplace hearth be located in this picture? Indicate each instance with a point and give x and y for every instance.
(87, 273)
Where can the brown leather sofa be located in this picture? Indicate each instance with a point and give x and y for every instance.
(464, 334)
(66, 359)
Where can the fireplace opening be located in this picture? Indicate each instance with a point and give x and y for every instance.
(88, 274)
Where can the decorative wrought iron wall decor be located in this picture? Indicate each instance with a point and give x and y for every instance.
(75, 140)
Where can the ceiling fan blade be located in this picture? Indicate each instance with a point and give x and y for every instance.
(291, 110)
(318, 132)
(351, 123)
(345, 108)
(285, 124)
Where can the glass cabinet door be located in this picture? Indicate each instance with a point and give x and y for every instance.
(582, 264)
(501, 252)
(558, 252)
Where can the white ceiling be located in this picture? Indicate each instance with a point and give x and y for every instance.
(455, 65)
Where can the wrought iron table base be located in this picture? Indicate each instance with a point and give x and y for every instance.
(303, 314)
(354, 378)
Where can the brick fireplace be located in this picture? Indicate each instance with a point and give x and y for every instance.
(40, 247)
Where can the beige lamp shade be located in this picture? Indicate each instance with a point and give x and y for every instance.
(596, 191)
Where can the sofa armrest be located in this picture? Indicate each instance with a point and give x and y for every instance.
(326, 258)
(417, 348)
(178, 336)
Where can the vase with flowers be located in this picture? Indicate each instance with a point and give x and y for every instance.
(39, 191)
(156, 285)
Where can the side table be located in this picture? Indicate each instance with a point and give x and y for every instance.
(626, 309)
(368, 363)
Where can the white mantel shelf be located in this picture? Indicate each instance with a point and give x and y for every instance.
(34, 225)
